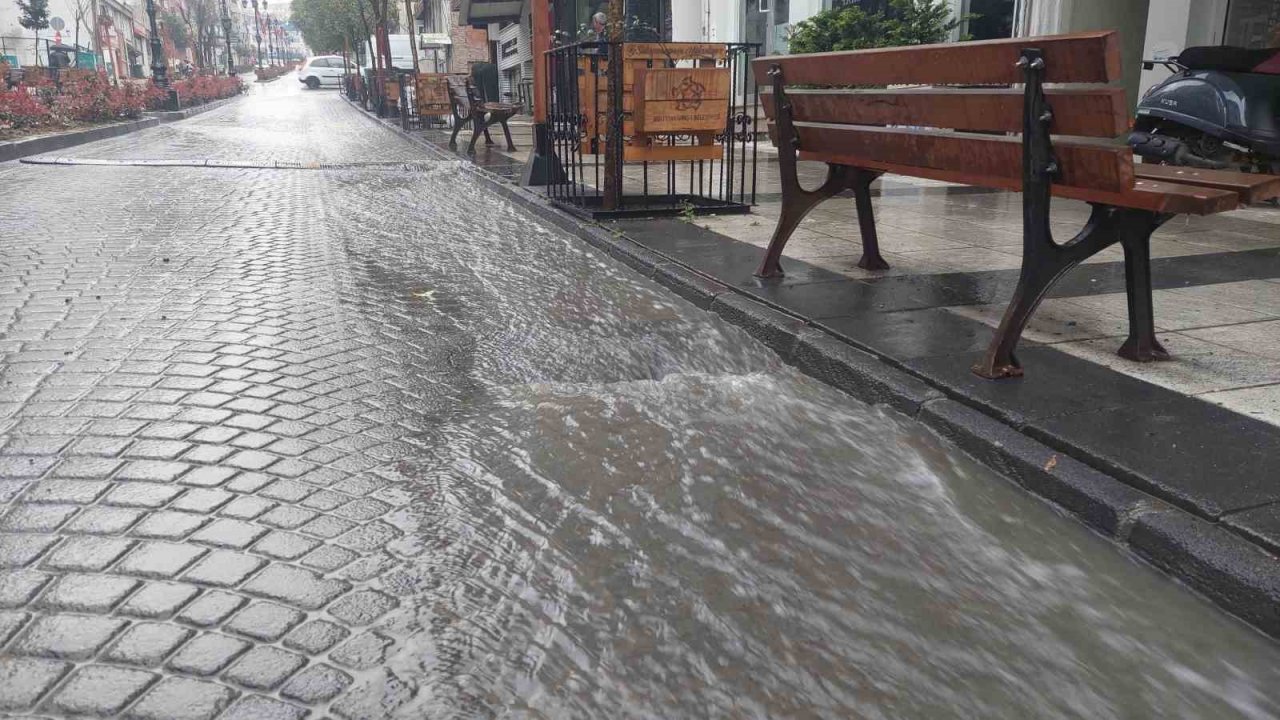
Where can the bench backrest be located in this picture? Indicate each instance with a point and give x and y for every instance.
(933, 131)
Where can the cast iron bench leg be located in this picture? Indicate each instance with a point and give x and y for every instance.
(1135, 236)
(511, 146)
(871, 259)
(796, 203)
(458, 122)
(477, 127)
(1043, 263)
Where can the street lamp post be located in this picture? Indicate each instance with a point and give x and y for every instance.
(271, 53)
(159, 71)
(226, 34)
(257, 25)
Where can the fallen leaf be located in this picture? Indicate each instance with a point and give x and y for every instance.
(1053, 463)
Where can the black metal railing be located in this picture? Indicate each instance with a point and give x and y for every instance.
(580, 127)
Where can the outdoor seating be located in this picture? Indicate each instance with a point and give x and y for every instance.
(469, 106)
(863, 133)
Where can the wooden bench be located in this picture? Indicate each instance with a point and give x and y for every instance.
(864, 133)
(469, 106)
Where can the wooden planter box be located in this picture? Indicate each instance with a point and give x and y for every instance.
(662, 101)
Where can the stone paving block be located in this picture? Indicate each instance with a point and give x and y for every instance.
(104, 520)
(101, 690)
(316, 636)
(286, 517)
(369, 536)
(362, 510)
(284, 545)
(247, 507)
(362, 652)
(264, 621)
(68, 637)
(207, 654)
(86, 593)
(153, 471)
(182, 699)
(202, 500)
(326, 500)
(158, 559)
(208, 455)
(295, 586)
(328, 558)
(10, 624)
(318, 683)
(286, 490)
(25, 466)
(229, 533)
(248, 482)
(264, 667)
(158, 600)
(169, 525)
(148, 644)
(85, 554)
(141, 494)
(18, 587)
(80, 492)
(207, 476)
(224, 568)
(19, 550)
(259, 707)
(211, 608)
(36, 517)
(362, 607)
(327, 527)
(85, 467)
(23, 681)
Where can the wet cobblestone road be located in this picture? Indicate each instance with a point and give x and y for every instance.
(199, 440)
(364, 442)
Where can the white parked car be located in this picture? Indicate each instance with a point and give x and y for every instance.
(321, 70)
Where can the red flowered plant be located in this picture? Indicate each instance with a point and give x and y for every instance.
(20, 108)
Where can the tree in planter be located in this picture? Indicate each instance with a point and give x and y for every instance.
(34, 15)
(903, 22)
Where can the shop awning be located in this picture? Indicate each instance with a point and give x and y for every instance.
(476, 12)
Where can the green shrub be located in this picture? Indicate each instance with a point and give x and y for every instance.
(906, 22)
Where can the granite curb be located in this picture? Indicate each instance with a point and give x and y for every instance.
(1235, 573)
(16, 149)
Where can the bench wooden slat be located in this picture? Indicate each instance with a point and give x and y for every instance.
(1088, 57)
(1096, 112)
(1145, 195)
(1252, 187)
(986, 160)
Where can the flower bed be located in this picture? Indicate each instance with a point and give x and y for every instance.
(89, 99)
(271, 72)
(201, 89)
(83, 100)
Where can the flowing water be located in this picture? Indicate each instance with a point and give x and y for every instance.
(631, 509)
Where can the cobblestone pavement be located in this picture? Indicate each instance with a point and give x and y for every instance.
(199, 433)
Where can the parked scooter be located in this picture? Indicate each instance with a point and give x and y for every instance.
(1220, 109)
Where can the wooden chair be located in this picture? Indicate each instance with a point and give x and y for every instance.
(864, 133)
(469, 106)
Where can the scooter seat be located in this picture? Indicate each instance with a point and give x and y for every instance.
(1225, 58)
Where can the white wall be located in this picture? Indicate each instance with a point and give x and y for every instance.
(705, 20)
(1175, 25)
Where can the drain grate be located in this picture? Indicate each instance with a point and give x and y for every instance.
(241, 164)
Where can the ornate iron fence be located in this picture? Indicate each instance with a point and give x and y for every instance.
(673, 172)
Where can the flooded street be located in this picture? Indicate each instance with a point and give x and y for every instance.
(553, 489)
